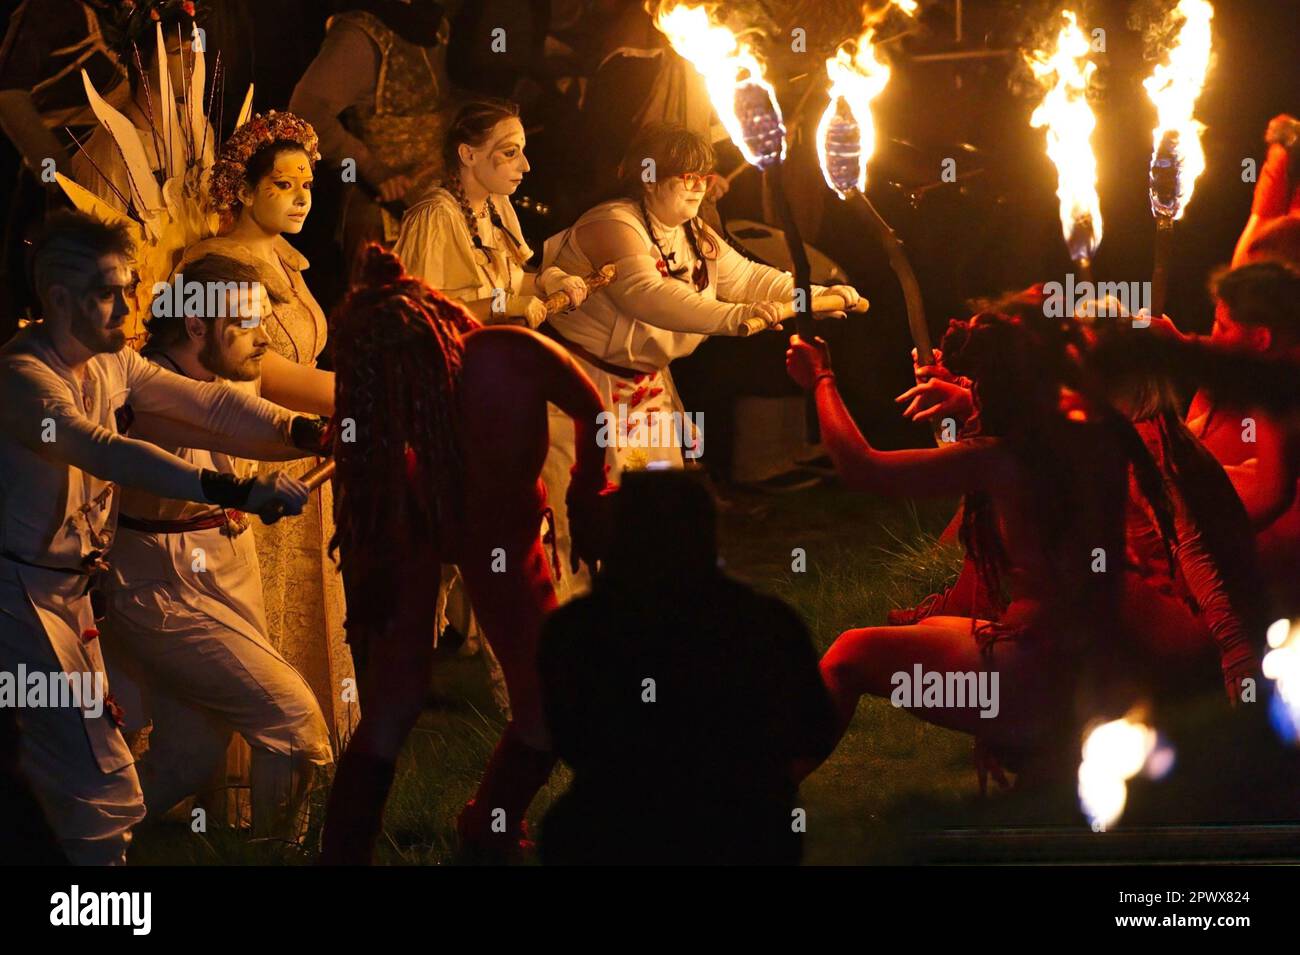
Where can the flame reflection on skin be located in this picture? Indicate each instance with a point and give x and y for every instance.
(1174, 87)
(1064, 72)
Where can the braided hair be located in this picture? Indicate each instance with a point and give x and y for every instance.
(397, 354)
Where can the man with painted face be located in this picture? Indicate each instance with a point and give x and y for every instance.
(69, 389)
(184, 593)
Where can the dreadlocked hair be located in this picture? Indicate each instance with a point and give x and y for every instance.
(1020, 360)
(397, 355)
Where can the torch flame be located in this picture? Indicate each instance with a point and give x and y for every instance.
(846, 135)
(1174, 86)
(743, 99)
(1065, 72)
(1114, 753)
(1282, 665)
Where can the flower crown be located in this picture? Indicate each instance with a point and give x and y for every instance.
(127, 23)
(259, 132)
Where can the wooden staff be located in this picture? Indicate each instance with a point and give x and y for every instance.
(313, 478)
(820, 303)
(558, 302)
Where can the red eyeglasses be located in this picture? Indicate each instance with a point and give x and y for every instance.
(695, 180)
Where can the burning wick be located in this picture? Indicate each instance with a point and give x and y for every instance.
(1177, 159)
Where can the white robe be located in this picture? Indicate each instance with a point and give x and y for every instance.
(184, 616)
(61, 457)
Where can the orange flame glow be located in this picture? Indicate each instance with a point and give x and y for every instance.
(1064, 73)
(729, 67)
(1174, 87)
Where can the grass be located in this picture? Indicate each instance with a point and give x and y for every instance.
(891, 775)
(863, 557)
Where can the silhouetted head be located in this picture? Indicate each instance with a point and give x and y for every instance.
(665, 526)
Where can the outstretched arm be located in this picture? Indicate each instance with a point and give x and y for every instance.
(216, 416)
(638, 289)
(954, 469)
(36, 410)
(297, 387)
(1272, 192)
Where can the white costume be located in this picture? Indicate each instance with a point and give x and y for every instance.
(634, 327)
(61, 457)
(184, 616)
(435, 246)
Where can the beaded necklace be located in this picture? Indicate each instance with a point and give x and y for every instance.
(453, 185)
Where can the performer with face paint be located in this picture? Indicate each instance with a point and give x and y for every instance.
(69, 389)
(463, 237)
(451, 435)
(677, 282)
(262, 186)
(184, 611)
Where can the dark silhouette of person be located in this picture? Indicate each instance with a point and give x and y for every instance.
(680, 698)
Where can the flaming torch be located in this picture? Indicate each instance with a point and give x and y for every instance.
(1178, 159)
(747, 106)
(1064, 72)
(846, 140)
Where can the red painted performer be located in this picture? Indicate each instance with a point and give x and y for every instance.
(1193, 600)
(1044, 488)
(451, 433)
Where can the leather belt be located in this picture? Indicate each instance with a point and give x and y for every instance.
(551, 332)
(201, 523)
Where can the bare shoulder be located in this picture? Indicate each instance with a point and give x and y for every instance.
(512, 344)
(608, 240)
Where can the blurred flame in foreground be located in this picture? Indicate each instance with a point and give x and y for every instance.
(1114, 753)
(1282, 666)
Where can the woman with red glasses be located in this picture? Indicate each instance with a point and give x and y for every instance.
(677, 282)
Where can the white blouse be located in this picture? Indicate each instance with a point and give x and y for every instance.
(644, 319)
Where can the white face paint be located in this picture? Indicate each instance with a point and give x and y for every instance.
(673, 201)
(101, 306)
(499, 164)
(281, 199)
